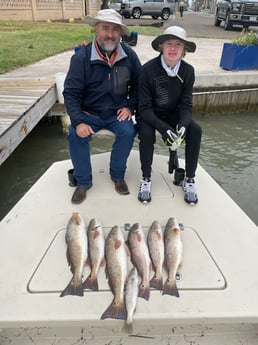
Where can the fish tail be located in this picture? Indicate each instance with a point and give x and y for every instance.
(91, 283)
(156, 283)
(115, 311)
(144, 292)
(73, 289)
(170, 288)
(128, 327)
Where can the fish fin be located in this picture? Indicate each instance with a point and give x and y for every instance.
(127, 327)
(91, 283)
(156, 283)
(170, 288)
(144, 292)
(96, 234)
(127, 250)
(115, 311)
(87, 262)
(76, 218)
(68, 257)
(72, 289)
(159, 236)
(117, 244)
(139, 237)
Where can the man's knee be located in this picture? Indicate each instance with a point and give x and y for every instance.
(127, 131)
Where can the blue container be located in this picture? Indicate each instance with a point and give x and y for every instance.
(238, 57)
(132, 39)
(77, 49)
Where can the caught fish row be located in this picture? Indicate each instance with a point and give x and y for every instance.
(90, 246)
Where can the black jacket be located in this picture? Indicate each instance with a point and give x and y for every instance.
(165, 100)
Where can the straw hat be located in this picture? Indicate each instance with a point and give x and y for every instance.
(109, 16)
(173, 32)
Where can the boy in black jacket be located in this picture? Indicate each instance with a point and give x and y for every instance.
(165, 104)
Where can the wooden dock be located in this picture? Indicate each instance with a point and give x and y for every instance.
(23, 103)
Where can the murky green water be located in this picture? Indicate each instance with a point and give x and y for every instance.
(229, 153)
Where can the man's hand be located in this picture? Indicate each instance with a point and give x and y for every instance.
(123, 114)
(83, 130)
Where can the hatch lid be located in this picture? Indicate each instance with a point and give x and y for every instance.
(199, 269)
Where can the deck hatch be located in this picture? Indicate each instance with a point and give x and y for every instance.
(199, 269)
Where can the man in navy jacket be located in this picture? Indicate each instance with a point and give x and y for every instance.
(101, 91)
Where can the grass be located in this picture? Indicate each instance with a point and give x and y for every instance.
(23, 43)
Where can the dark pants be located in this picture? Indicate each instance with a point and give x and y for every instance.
(147, 136)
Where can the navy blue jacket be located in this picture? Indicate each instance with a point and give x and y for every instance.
(93, 86)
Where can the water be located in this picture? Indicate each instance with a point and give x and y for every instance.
(229, 153)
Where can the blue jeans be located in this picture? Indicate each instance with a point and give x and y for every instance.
(80, 149)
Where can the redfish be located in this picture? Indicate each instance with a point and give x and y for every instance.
(155, 243)
(116, 254)
(77, 253)
(173, 255)
(96, 241)
(140, 258)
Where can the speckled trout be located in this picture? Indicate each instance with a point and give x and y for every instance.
(131, 294)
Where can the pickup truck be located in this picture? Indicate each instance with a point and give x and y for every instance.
(236, 12)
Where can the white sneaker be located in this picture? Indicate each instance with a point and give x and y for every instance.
(190, 191)
(144, 194)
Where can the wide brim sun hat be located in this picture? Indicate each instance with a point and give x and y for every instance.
(109, 16)
(173, 32)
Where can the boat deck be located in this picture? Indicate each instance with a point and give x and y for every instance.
(218, 286)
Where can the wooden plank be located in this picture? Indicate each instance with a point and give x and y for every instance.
(24, 82)
(22, 92)
(23, 103)
(16, 99)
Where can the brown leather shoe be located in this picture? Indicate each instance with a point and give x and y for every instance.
(79, 195)
(121, 187)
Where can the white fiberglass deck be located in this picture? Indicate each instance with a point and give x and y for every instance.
(219, 275)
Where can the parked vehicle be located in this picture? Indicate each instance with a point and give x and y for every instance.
(236, 12)
(154, 8)
(115, 5)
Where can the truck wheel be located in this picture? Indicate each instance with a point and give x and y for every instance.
(136, 13)
(228, 24)
(165, 14)
(217, 21)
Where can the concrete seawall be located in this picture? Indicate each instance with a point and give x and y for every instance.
(215, 89)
